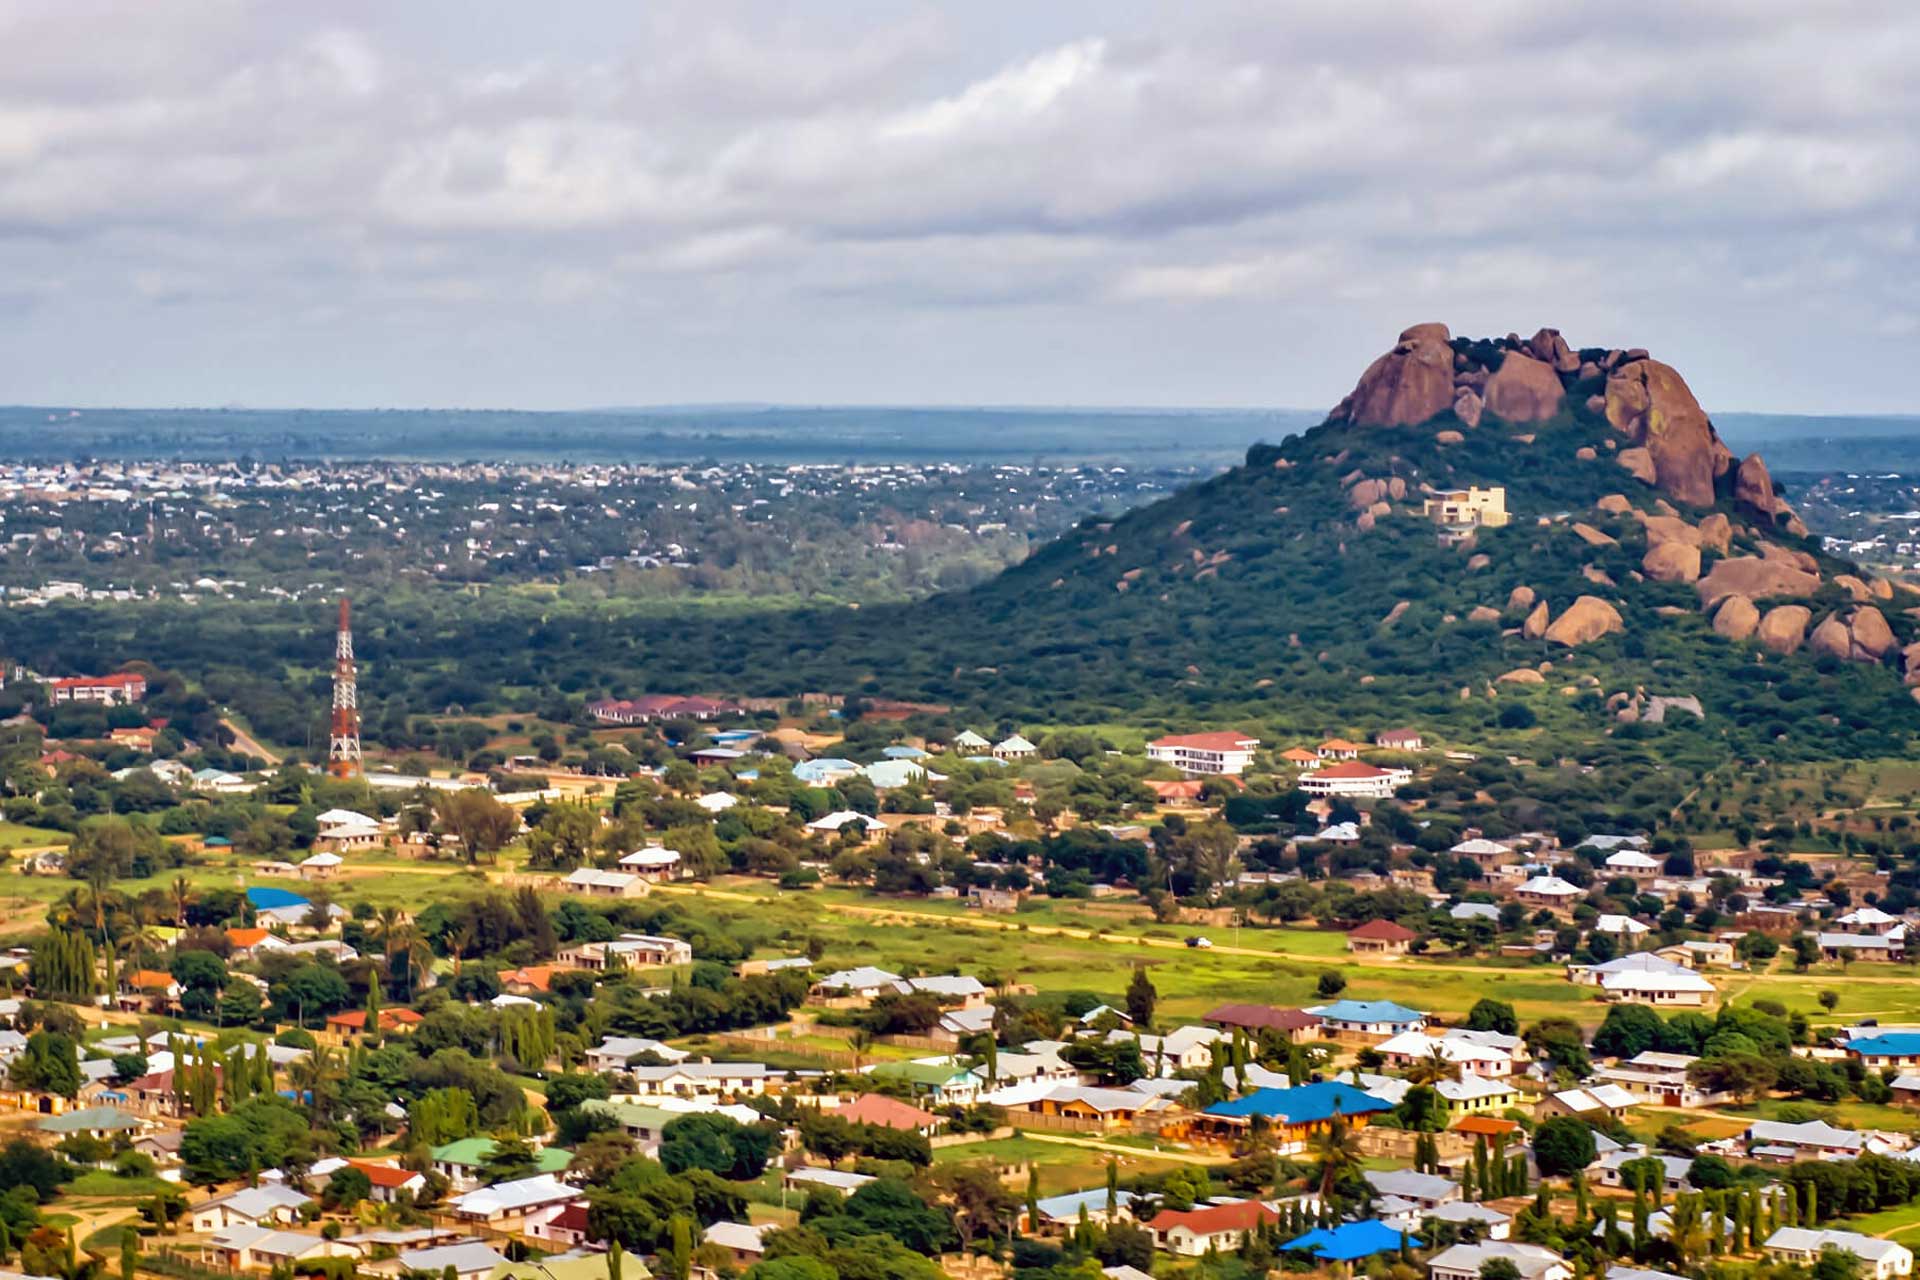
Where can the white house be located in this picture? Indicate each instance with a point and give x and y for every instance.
(1355, 780)
(653, 863)
(1882, 1259)
(1463, 1261)
(267, 1204)
(1227, 753)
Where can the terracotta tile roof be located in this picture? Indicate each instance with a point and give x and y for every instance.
(1382, 931)
(877, 1108)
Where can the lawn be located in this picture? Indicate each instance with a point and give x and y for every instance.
(15, 836)
(100, 1182)
(1062, 1168)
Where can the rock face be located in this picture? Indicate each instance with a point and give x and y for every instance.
(1639, 463)
(1586, 620)
(1784, 629)
(1672, 562)
(1536, 624)
(1483, 613)
(1872, 637)
(1831, 638)
(1592, 536)
(1650, 404)
(1408, 385)
(1524, 390)
(1736, 618)
(1756, 579)
(1519, 598)
(1467, 405)
(1522, 675)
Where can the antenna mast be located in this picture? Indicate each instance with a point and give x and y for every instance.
(343, 748)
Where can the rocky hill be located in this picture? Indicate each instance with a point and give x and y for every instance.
(1644, 573)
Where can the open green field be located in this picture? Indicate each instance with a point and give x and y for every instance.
(15, 836)
(1061, 1167)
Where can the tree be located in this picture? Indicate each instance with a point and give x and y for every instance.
(50, 1063)
(347, 1188)
(1141, 998)
(1331, 984)
(1562, 1146)
(1829, 1000)
(716, 1143)
(1489, 1014)
(25, 1165)
(1499, 1269)
(1628, 1031)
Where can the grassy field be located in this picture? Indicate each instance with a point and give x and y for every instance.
(1061, 1167)
(15, 836)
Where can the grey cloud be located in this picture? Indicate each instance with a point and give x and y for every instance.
(1114, 202)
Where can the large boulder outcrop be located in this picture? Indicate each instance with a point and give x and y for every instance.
(1547, 345)
(1536, 624)
(1408, 385)
(1467, 405)
(1524, 389)
(1831, 638)
(1756, 579)
(1521, 597)
(1736, 618)
(1586, 620)
(1639, 463)
(1650, 403)
(1784, 628)
(1673, 561)
(1872, 637)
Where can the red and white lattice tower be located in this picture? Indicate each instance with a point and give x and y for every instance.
(343, 747)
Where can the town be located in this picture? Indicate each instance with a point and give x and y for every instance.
(832, 986)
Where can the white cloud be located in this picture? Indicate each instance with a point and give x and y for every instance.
(988, 203)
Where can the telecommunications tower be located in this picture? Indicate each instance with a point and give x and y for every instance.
(343, 747)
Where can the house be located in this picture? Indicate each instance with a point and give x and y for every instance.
(1302, 759)
(1619, 926)
(105, 1123)
(1531, 1261)
(1219, 1228)
(741, 1241)
(148, 991)
(250, 944)
(614, 1052)
(1061, 1214)
(1465, 1050)
(863, 983)
(1225, 753)
(718, 801)
(1810, 1140)
(1660, 1079)
(629, 950)
(1355, 780)
(1888, 1049)
(1370, 1021)
(654, 862)
(468, 1260)
(967, 742)
(459, 1162)
(1599, 1102)
(1487, 853)
(506, 1204)
(702, 1079)
(1182, 1049)
(889, 1113)
(568, 1229)
(1013, 747)
(842, 820)
(1631, 863)
(119, 690)
(1460, 511)
(320, 866)
(1881, 1259)
(1108, 1106)
(1380, 938)
(997, 901)
(825, 771)
(344, 831)
(1885, 947)
(249, 1248)
(1549, 891)
(390, 1180)
(1295, 1114)
(1490, 1222)
(943, 1082)
(353, 1022)
(1645, 978)
(1425, 1190)
(1338, 749)
(1400, 740)
(595, 883)
(807, 1177)
(1294, 1025)
(1349, 1242)
(1606, 1169)
(269, 1204)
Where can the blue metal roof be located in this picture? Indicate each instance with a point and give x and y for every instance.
(1895, 1044)
(1368, 1011)
(268, 899)
(1305, 1104)
(1351, 1240)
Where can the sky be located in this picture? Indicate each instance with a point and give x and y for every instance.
(626, 202)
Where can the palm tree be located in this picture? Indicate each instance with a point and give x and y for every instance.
(1434, 1067)
(1338, 1152)
(315, 1076)
(457, 942)
(408, 943)
(182, 893)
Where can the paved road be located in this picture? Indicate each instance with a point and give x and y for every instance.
(246, 744)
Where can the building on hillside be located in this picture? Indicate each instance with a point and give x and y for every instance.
(1296, 1025)
(1784, 1142)
(1881, 1259)
(1060, 1215)
(1301, 758)
(460, 1161)
(1368, 1021)
(1400, 740)
(1380, 938)
(1225, 752)
(1014, 747)
(1530, 1261)
(889, 1113)
(1602, 1102)
(1660, 1079)
(1888, 1049)
(595, 883)
(1293, 1115)
(1549, 891)
(1216, 1229)
(269, 1204)
(1355, 780)
(1459, 512)
(1646, 978)
(120, 690)
(655, 862)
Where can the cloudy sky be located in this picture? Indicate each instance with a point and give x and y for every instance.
(462, 202)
